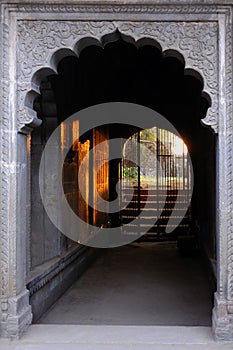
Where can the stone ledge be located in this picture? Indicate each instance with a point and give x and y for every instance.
(55, 277)
(43, 273)
(127, 335)
(122, 2)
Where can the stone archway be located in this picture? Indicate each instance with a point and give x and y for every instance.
(63, 39)
(33, 40)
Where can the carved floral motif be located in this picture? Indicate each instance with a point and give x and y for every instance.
(115, 8)
(198, 44)
(38, 40)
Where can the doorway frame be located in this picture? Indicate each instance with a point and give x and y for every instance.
(34, 38)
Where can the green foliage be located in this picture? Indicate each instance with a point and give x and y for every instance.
(130, 172)
(147, 134)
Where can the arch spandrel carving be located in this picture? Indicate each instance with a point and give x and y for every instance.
(39, 40)
(198, 44)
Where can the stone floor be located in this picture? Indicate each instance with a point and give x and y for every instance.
(130, 298)
(138, 284)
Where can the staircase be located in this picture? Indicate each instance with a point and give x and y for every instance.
(154, 202)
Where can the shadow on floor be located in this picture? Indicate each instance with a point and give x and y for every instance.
(138, 284)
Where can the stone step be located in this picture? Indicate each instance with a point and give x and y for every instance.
(155, 188)
(153, 219)
(154, 195)
(151, 211)
(155, 204)
(85, 337)
(132, 229)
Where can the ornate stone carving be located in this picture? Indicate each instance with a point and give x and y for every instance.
(229, 151)
(15, 312)
(115, 8)
(198, 44)
(5, 122)
(39, 40)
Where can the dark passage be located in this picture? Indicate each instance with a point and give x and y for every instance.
(145, 283)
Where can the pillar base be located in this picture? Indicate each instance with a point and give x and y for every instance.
(222, 321)
(16, 315)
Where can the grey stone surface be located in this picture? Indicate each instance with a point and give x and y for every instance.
(50, 280)
(138, 284)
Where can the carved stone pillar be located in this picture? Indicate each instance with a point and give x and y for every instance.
(15, 309)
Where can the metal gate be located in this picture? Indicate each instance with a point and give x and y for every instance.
(165, 169)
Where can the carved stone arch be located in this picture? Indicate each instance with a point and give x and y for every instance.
(30, 34)
(86, 41)
(196, 43)
(195, 74)
(175, 54)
